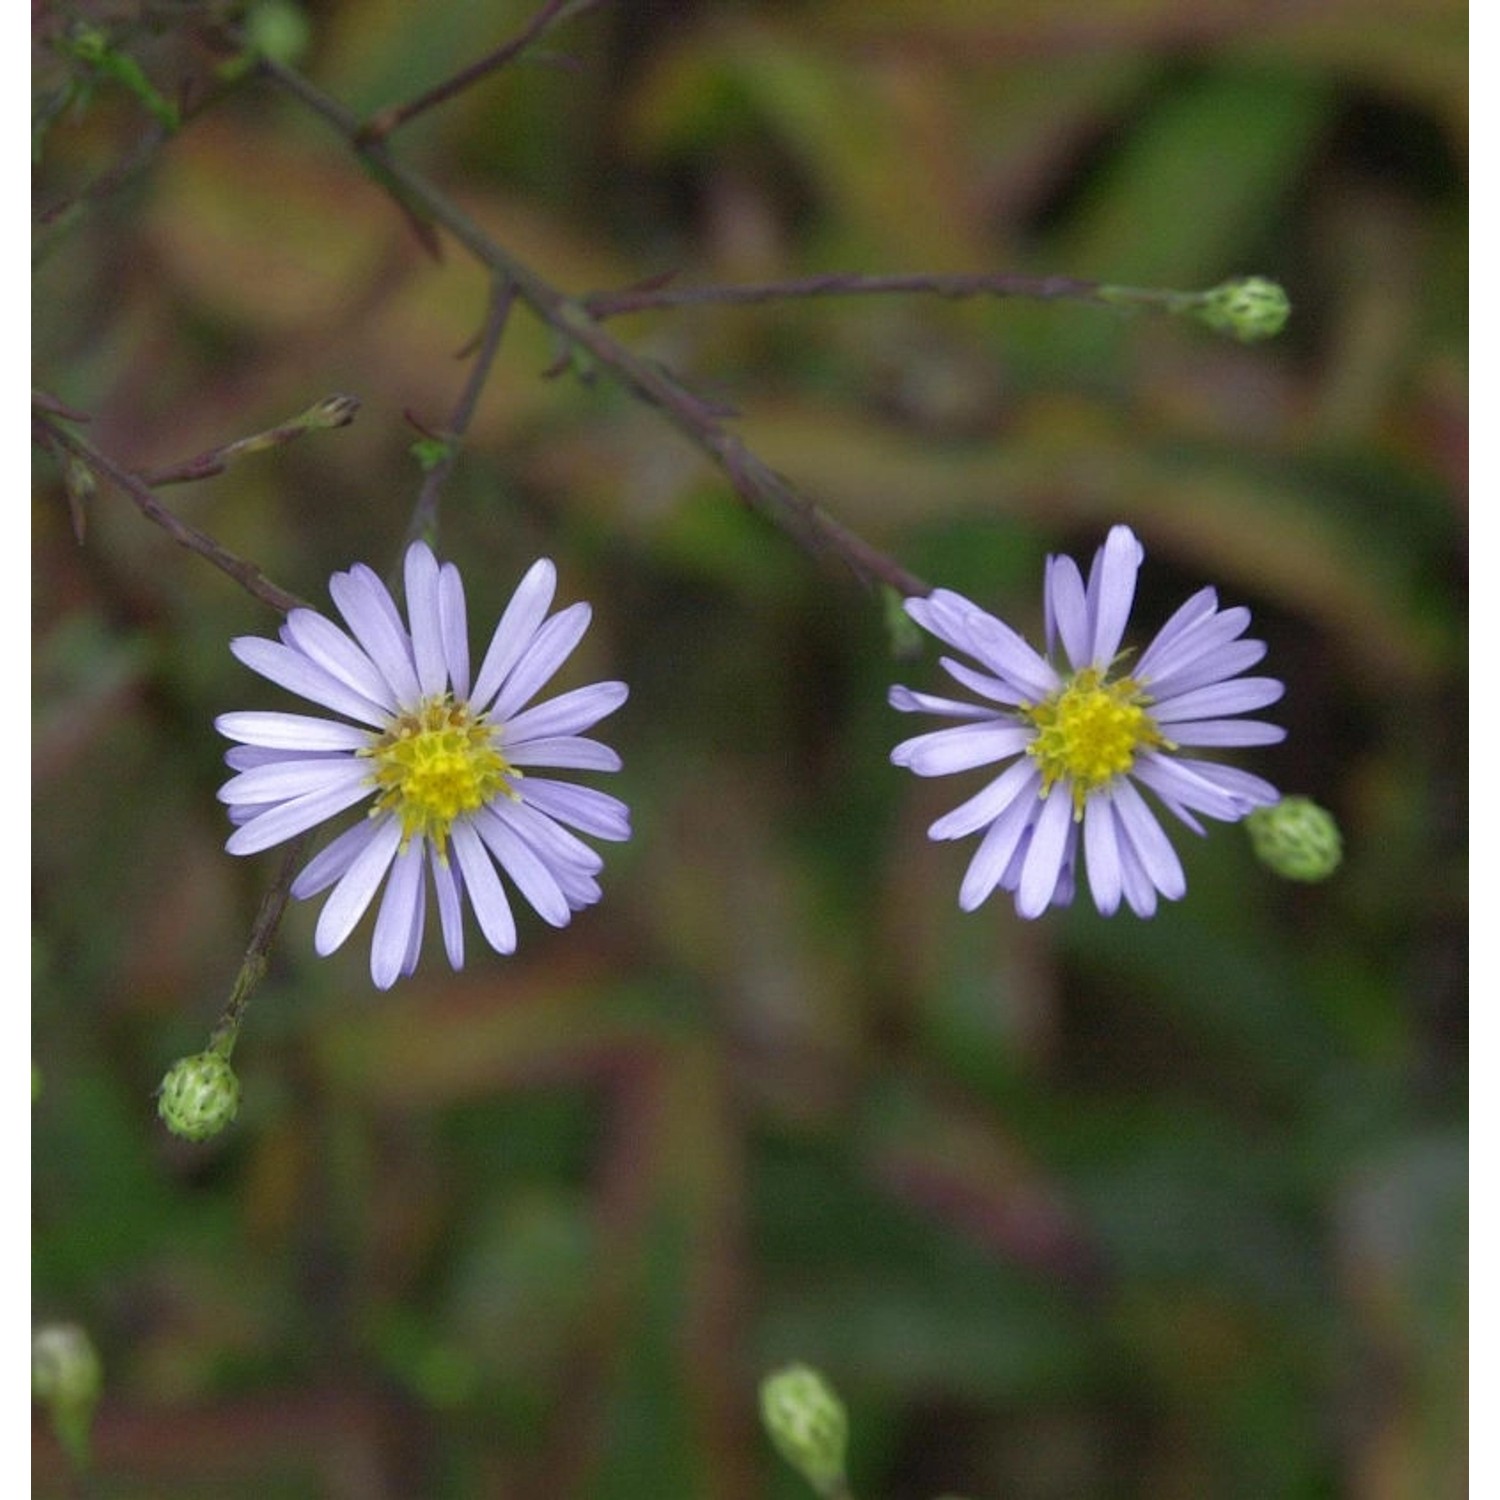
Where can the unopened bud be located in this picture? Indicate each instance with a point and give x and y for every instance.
(1248, 308)
(199, 1096)
(279, 30)
(66, 1377)
(807, 1423)
(1296, 838)
(332, 411)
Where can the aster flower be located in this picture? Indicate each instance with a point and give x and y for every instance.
(1081, 737)
(445, 761)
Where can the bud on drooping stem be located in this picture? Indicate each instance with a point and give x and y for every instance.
(1248, 308)
(199, 1097)
(807, 1423)
(1296, 838)
(66, 1377)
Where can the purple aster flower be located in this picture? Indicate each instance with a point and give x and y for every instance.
(1083, 736)
(445, 761)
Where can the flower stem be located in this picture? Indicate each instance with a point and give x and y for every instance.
(424, 514)
(257, 951)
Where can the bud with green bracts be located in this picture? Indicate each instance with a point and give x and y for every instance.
(1248, 308)
(199, 1096)
(66, 1377)
(1296, 838)
(807, 1423)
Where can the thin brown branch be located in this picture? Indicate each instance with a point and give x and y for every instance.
(650, 296)
(332, 411)
(59, 441)
(757, 484)
(381, 125)
(424, 515)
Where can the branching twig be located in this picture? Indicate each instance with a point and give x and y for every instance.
(59, 441)
(380, 125)
(756, 483)
(424, 514)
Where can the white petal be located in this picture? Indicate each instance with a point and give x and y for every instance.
(1067, 610)
(996, 850)
(455, 622)
(291, 731)
(424, 612)
(549, 649)
(1101, 852)
(414, 938)
(285, 779)
(961, 623)
(343, 909)
(985, 685)
(366, 605)
(996, 646)
(527, 608)
(961, 749)
(1157, 856)
(566, 753)
(1017, 781)
(1241, 696)
(399, 916)
(1215, 665)
(908, 702)
(1177, 781)
(1044, 859)
(582, 807)
(1249, 791)
(289, 668)
(551, 840)
(330, 862)
(486, 894)
(1199, 607)
(524, 866)
(1140, 894)
(1223, 732)
(321, 641)
(1112, 591)
(568, 713)
(445, 883)
(1162, 666)
(282, 821)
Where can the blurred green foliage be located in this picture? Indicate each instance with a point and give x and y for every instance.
(1071, 1209)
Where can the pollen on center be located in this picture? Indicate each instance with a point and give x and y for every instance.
(436, 763)
(1089, 732)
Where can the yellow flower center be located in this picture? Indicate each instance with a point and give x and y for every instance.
(1089, 731)
(436, 763)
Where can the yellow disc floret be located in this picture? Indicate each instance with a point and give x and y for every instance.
(435, 763)
(1089, 732)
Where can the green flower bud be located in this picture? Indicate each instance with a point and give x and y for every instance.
(1296, 838)
(332, 411)
(1248, 308)
(279, 30)
(199, 1096)
(66, 1377)
(807, 1423)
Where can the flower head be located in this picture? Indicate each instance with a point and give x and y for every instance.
(446, 762)
(199, 1097)
(808, 1424)
(1081, 735)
